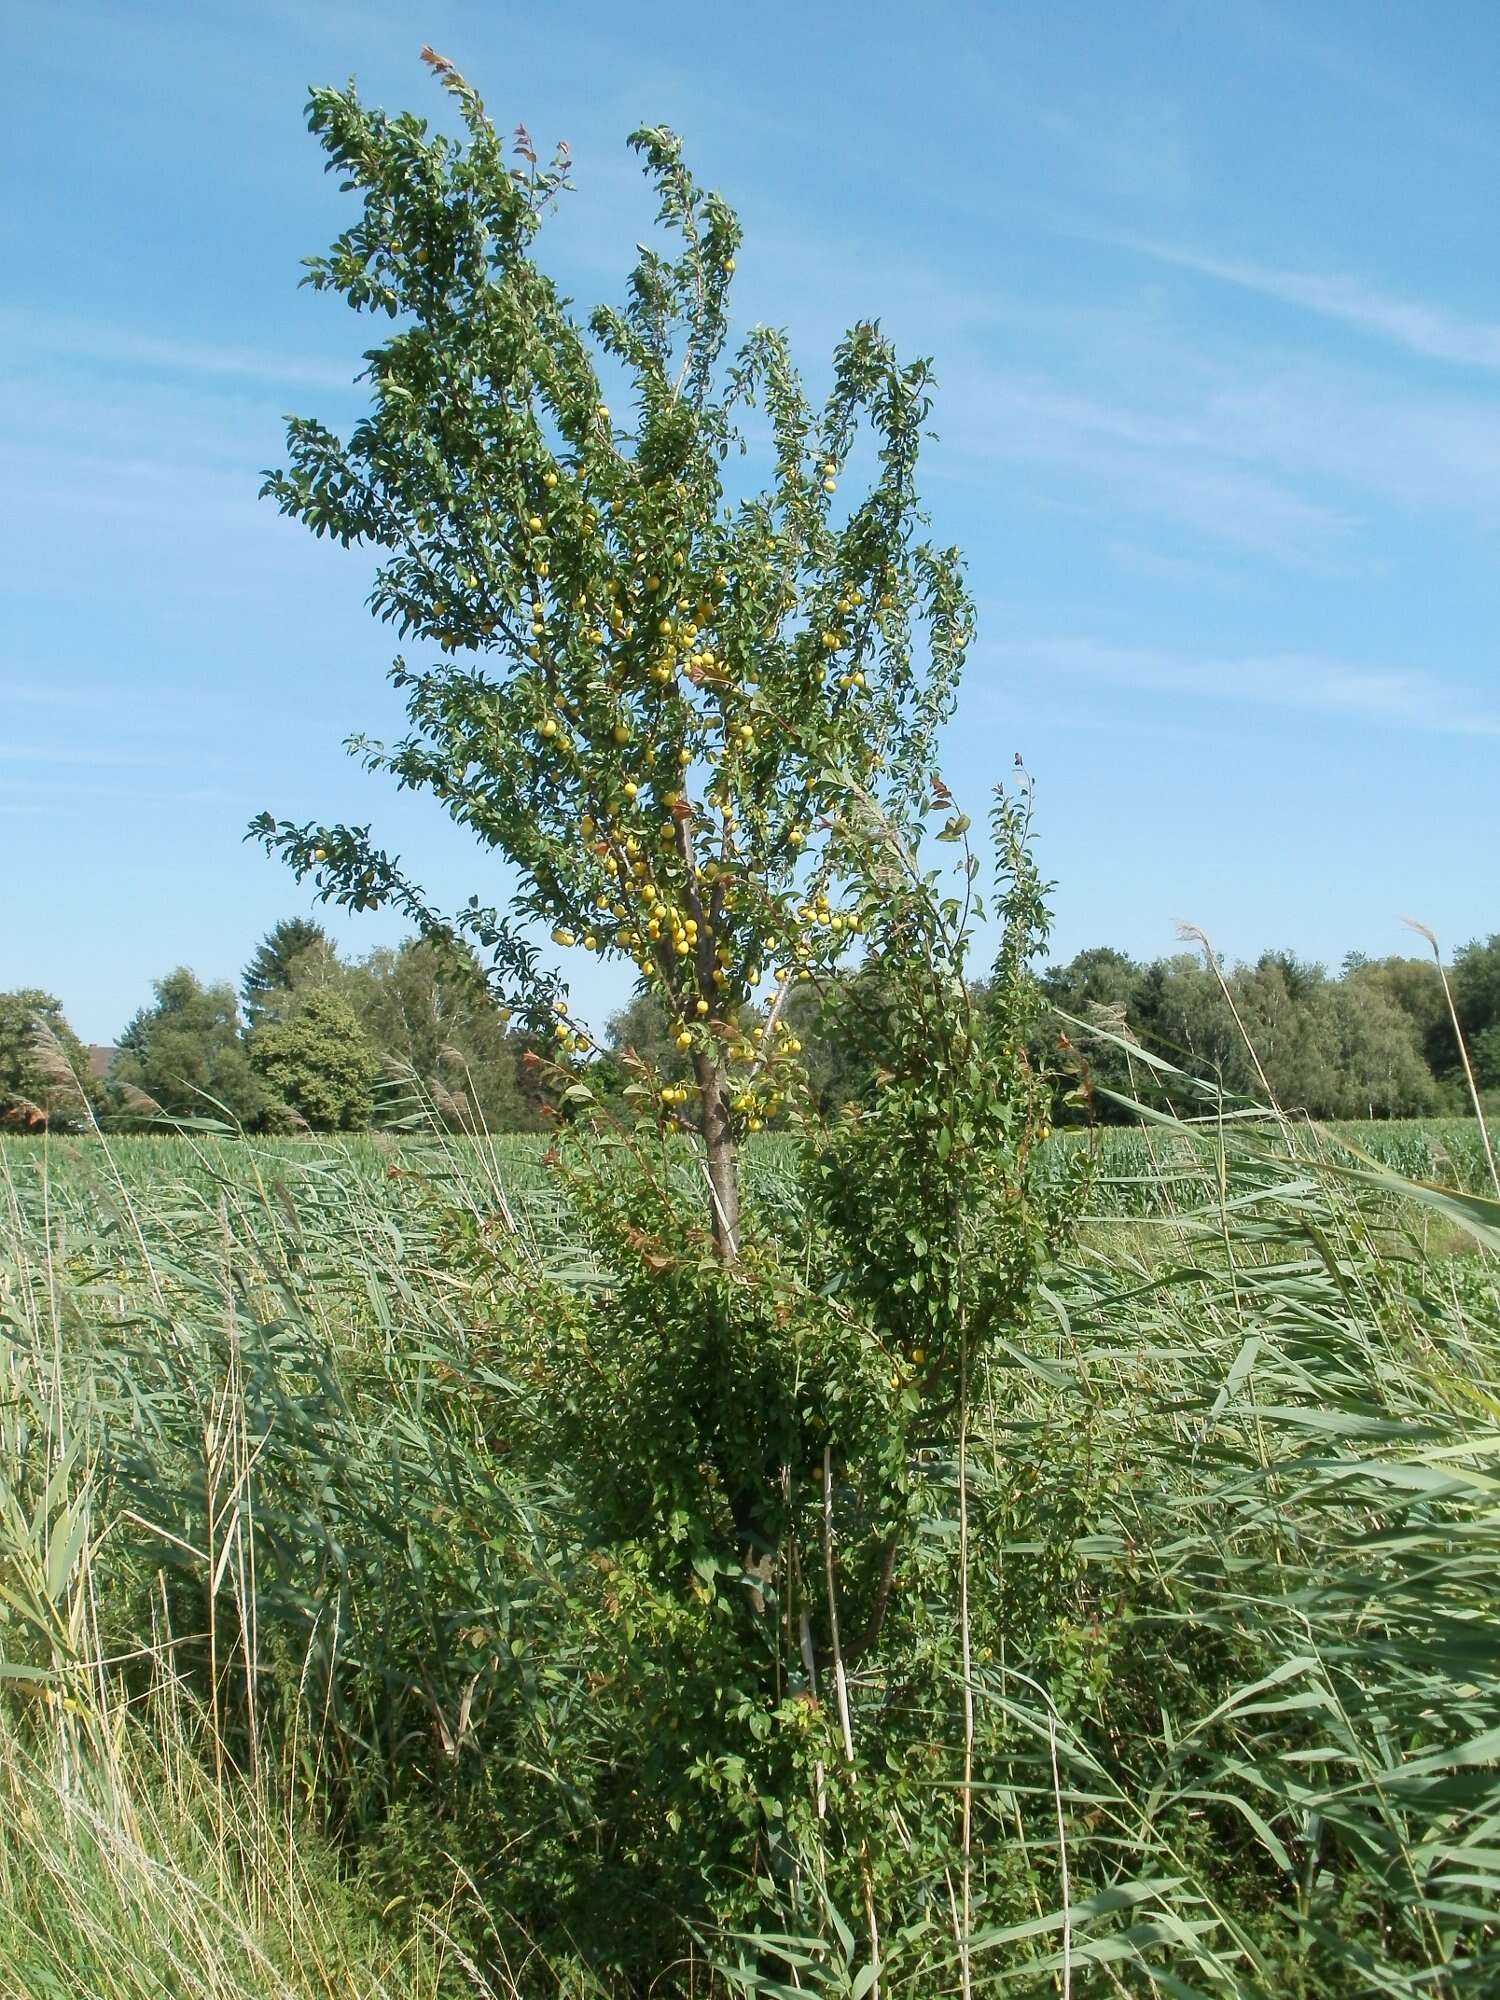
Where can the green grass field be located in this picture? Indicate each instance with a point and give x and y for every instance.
(307, 1693)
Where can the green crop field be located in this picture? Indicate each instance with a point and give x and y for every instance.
(1124, 1171)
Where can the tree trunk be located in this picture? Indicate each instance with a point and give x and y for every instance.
(723, 1159)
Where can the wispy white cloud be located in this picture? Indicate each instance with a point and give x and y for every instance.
(46, 697)
(38, 791)
(1358, 68)
(1135, 149)
(1436, 332)
(83, 754)
(129, 348)
(1298, 681)
(1134, 459)
(1370, 434)
(1247, 447)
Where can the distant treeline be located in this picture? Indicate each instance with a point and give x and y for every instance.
(314, 1042)
(1377, 1041)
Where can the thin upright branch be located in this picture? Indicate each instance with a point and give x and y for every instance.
(1062, 1858)
(966, 1805)
(1463, 1051)
(841, 1692)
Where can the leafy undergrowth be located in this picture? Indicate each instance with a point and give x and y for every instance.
(320, 1679)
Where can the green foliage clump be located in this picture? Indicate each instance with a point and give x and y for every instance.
(1229, 1590)
(316, 1065)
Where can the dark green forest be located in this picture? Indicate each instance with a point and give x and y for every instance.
(312, 1041)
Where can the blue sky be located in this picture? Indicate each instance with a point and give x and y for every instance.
(1215, 303)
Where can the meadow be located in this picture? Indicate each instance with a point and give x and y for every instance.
(308, 1690)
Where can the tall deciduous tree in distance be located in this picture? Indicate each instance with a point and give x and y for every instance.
(1476, 992)
(429, 1012)
(186, 1054)
(665, 691)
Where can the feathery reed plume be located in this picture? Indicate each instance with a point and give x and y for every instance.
(51, 1059)
(138, 1102)
(444, 1102)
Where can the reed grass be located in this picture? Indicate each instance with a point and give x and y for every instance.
(1232, 1723)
